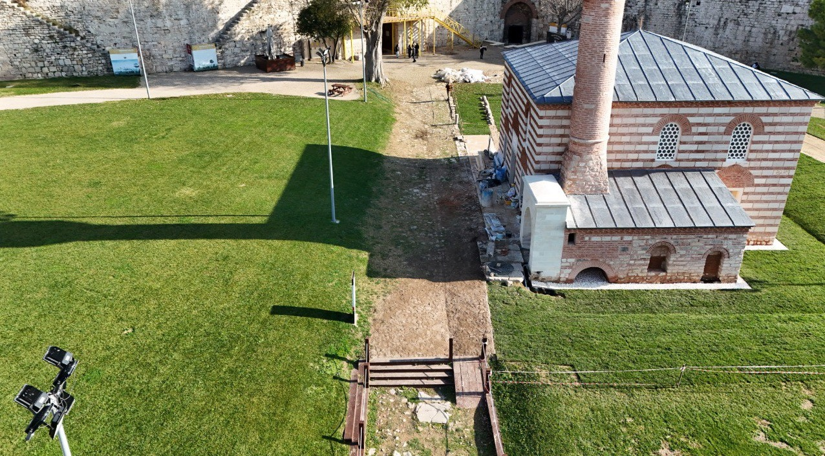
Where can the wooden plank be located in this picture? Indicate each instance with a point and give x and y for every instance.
(601, 214)
(635, 204)
(491, 411)
(419, 374)
(708, 199)
(411, 382)
(733, 209)
(409, 367)
(581, 212)
(351, 406)
(655, 206)
(617, 206)
(673, 204)
(689, 199)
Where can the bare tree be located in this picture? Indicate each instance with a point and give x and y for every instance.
(565, 11)
(374, 12)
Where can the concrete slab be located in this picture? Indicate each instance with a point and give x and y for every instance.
(814, 147)
(739, 285)
(432, 409)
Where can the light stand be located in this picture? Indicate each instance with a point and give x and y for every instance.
(56, 403)
(324, 55)
(140, 51)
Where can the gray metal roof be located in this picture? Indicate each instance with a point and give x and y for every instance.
(659, 199)
(651, 68)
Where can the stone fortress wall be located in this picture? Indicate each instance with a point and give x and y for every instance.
(70, 37)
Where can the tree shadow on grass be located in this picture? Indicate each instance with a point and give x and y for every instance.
(303, 213)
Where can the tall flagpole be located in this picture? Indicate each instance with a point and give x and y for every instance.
(140, 51)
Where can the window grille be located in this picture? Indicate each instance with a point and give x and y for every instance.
(740, 140)
(668, 142)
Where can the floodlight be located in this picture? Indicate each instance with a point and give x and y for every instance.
(58, 357)
(31, 398)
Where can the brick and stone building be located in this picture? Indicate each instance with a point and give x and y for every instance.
(649, 158)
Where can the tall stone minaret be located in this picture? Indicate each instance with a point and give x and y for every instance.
(584, 166)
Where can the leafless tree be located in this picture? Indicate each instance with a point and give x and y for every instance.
(374, 12)
(564, 11)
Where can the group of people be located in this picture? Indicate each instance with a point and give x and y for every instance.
(412, 51)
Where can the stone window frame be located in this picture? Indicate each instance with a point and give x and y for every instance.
(668, 146)
(684, 126)
(658, 264)
(740, 145)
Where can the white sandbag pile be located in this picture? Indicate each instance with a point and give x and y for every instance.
(462, 75)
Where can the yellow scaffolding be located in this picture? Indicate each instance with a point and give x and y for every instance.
(443, 19)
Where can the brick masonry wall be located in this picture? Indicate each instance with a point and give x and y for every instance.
(764, 178)
(624, 255)
(31, 48)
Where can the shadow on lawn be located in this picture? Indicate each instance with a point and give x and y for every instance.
(301, 214)
(308, 312)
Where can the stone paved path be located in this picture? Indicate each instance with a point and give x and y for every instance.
(307, 81)
(814, 147)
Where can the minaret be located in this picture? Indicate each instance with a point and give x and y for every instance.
(584, 166)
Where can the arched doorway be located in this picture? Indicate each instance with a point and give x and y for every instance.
(591, 277)
(713, 265)
(518, 16)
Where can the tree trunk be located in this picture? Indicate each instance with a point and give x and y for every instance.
(374, 57)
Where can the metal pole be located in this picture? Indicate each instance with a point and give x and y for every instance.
(140, 53)
(363, 51)
(354, 314)
(64, 442)
(684, 32)
(329, 139)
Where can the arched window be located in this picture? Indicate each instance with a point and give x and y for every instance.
(740, 140)
(668, 142)
(658, 259)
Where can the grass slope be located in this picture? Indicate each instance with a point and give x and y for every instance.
(816, 127)
(468, 101)
(182, 249)
(806, 202)
(70, 84)
(780, 321)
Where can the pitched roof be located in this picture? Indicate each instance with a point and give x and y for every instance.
(651, 68)
(659, 199)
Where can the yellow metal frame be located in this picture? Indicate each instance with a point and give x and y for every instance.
(443, 19)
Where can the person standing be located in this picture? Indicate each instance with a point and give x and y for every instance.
(415, 50)
(409, 51)
(397, 51)
(481, 51)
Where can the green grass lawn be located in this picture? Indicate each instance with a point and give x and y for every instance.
(72, 84)
(468, 100)
(811, 82)
(183, 250)
(780, 321)
(817, 127)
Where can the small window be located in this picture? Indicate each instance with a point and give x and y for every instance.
(571, 239)
(737, 194)
(668, 142)
(740, 141)
(658, 259)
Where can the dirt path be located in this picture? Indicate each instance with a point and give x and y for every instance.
(430, 221)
